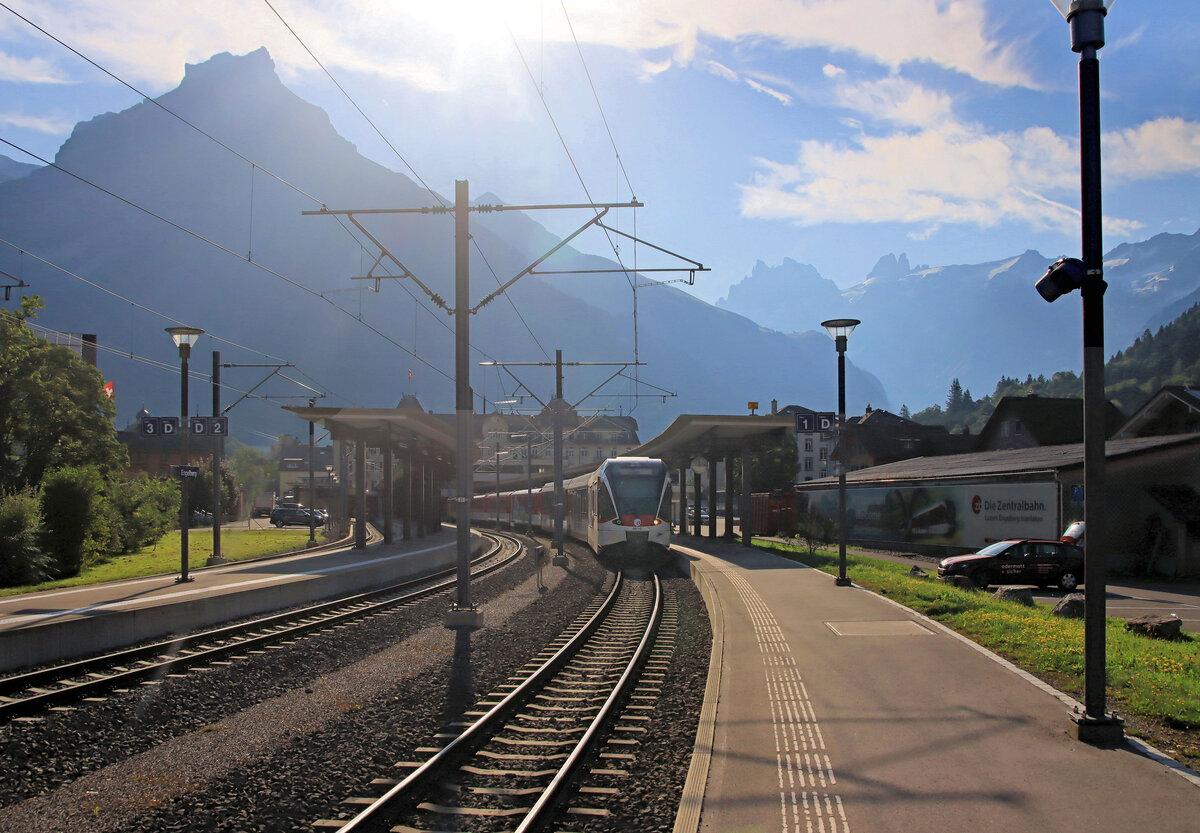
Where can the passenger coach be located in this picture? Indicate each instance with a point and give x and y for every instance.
(621, 510)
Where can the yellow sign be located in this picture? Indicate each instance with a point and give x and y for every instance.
(753, 406)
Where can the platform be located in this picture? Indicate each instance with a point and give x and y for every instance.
(834, 709)
(44, 627)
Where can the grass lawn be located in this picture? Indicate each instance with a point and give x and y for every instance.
(163, 557)
(1153, 684)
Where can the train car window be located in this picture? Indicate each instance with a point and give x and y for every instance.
(606, 509)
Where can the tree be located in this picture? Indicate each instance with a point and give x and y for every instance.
(53, 409)
(954, 400)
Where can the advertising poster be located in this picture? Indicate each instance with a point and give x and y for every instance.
(959, 515)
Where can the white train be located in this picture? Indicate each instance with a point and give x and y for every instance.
(621, 510)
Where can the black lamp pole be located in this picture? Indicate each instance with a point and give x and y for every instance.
(1086, 18)
(184, 338)
(840, 329)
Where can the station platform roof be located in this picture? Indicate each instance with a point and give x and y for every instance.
(716, 435)
(384, 426)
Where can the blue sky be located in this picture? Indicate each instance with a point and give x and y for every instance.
(828, 131)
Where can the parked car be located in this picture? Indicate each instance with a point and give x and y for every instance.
(1019, 561)
(201, 518)
(288, 516)
(1074, 534)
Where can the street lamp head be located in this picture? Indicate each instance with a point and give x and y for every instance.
(1087, 21)
(840, 326)
(1068, 7)
(184, 338)
(1064, 275)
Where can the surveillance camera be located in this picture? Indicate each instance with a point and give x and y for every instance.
(1063, 276)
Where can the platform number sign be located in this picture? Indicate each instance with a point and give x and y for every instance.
(818, 421)
(209, 426)
(159, 426)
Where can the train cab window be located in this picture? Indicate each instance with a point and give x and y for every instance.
(607, 511)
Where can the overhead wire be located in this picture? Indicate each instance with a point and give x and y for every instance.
(254, 164)
(227, 250)
(406, 163)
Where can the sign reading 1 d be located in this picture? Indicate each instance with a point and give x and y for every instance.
(209, 426)
(822, 421)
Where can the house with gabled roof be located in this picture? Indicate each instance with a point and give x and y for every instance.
(1033, 421)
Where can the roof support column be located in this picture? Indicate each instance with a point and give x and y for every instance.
(712, 497)
(387, 492)
(683, 501)
(408, 493)
(360, 487)
(728, 496)
(745, 507)
(696, 492)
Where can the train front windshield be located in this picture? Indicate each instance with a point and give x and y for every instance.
(636, 487)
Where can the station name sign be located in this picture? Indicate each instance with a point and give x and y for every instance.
(818, 421)
(152, 426)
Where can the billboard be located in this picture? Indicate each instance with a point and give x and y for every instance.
(964, 515)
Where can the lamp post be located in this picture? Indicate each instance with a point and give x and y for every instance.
(184, 338)
(840, 329)
(1086, 18)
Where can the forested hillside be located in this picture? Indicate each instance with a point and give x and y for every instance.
(1169, 357)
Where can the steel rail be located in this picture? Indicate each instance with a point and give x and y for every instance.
(513, 702)
(229, 638)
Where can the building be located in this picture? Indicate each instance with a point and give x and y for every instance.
(958, 503)
(1032, 421)
(879, 437)
(1173, 410)
(813, 449)
(512, 441)
(155, 455)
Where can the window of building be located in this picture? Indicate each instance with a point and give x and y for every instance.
(808, 445)
(824, 453)
(808, 464)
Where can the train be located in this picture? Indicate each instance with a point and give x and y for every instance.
(622, 511)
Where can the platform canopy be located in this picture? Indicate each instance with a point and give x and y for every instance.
(384, 427)
(714, 435)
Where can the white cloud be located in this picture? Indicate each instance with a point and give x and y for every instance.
(832, 71)
(957, 175)
(721, 70)
(778, 95)
(51, 125)
(30, 70)
(894, 99)
(1158, 148)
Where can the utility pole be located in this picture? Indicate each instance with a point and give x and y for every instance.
(463, 613)
(557, 407)
(218, 442)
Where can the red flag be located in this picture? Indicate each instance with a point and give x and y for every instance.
(410, 375)
(110, 390)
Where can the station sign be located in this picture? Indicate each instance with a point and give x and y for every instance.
(209, 426)
(153, 426)
(818, 421)
(187, 472)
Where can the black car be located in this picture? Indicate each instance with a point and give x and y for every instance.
(1019, 561)
(286, 516)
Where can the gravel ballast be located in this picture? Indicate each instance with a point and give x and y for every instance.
(278, 740)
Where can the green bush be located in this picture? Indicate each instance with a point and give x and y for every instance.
(146, 509)
(72, 518)
(21, 560)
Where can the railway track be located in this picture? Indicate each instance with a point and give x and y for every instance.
(516, 764)
(59, 686)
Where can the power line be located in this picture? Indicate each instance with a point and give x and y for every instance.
(214, 244)
(406, 163)
(254, 165)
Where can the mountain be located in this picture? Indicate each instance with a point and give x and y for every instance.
(925, 326)
(205, 237)
(12, 169)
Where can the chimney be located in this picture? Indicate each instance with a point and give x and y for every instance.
(774, 407)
